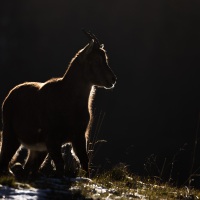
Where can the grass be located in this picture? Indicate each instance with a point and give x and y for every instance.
(117, 183)
(8, 181)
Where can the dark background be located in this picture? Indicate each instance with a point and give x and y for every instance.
(151, 116)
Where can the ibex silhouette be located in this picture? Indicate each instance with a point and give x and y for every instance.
(43, 116)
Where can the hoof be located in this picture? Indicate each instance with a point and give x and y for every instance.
(18, 171)
(17, 168)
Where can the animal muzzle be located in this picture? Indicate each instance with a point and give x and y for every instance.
(111, 81)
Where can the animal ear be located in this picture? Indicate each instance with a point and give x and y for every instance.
(102, 46)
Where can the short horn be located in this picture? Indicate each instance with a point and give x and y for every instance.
(87, 34)
(95, 38)
(92, 36)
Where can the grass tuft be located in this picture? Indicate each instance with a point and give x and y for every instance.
(117, 173)
(8, 181)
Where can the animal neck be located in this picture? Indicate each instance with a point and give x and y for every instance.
(74, 78)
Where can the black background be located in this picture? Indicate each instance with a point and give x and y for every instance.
(151, 116)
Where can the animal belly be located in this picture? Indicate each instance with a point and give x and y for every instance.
(33, 139)
(35, 147)
(28, 131)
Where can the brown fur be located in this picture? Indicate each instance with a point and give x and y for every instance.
(44, 116)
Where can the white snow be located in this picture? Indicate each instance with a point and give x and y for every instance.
(21, 194)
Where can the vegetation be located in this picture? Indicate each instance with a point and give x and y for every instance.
(7, 180)
(117, 183)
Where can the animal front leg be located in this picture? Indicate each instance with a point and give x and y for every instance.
(79, 147)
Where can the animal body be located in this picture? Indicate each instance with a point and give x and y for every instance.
(44, 116)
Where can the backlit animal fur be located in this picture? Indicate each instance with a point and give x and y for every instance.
(44, 116)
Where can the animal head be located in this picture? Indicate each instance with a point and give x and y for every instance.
(95, 62)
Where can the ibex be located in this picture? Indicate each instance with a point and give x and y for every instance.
(44, 116)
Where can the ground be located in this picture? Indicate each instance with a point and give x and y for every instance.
(114, 184)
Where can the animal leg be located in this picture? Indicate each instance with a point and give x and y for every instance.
(18, 161)
(9, 145)
(20, 156)
(33, 163)
(54, 150)
(79, 147)
(71, 163)
(46, 167)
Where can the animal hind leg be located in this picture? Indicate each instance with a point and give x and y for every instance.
(20, 156)
(18, 161)
(47, 166)
(33, 163)
(9, 145)
(54, 149)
